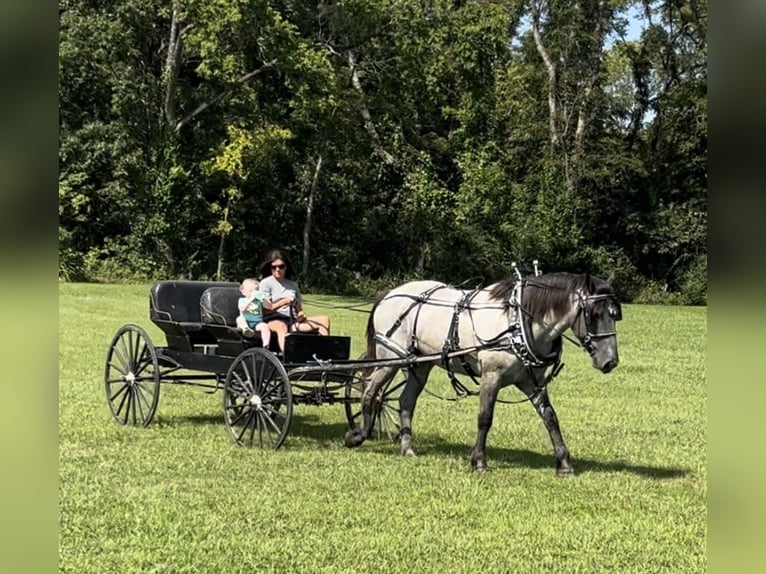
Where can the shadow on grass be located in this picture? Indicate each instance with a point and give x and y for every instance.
(303, 425)
(530, 459)
(500, 457)
(310, 427)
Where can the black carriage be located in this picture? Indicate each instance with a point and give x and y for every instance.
(259, 386)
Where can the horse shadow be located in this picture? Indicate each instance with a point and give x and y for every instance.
(502, 457)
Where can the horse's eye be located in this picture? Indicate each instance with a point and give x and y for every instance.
(615, 312)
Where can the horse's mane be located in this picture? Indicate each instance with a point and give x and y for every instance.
(549, 292)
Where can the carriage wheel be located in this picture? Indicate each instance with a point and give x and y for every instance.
(386, 404)
(257, 400)
(132, 377)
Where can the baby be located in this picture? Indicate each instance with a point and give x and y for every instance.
(251, 311)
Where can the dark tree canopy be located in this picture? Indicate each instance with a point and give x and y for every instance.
(378, 140)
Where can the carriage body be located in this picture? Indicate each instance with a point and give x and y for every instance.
(205, 349)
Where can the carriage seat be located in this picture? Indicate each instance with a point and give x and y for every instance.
(219, 311)
(218, 306)
(174, 306)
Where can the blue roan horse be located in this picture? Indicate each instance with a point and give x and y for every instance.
(508, 333)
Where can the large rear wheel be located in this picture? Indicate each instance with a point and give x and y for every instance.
(257, 400)
(385, 405)
(132, 377)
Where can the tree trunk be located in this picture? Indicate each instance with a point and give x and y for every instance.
(420, 264)
(172, 64)
(550, 68)
(222, 241)
(309, 215)
(368, 123)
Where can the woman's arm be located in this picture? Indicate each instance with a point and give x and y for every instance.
(274, 305)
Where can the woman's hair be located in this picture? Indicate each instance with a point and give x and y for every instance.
(273, 255)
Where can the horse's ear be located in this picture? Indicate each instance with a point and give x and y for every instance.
(588, 282)
(610, 278)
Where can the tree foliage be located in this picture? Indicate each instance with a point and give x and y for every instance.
(385, 138)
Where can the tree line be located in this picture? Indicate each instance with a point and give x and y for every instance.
(381, 140)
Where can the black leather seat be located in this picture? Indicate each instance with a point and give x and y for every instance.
(174, 306)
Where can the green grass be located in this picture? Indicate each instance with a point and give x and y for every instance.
(178, 496)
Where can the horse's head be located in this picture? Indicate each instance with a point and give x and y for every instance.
(596, 323)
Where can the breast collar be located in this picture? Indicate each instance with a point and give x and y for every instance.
(520, 334)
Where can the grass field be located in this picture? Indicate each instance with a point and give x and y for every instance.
(178, 496)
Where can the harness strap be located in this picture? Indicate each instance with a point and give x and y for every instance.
(416, 301)
(452, 343)
(391, 345)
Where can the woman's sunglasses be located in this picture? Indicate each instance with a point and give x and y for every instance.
(281, 266)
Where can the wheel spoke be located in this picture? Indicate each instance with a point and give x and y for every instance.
(246, 381)
(257, 424)
(134, 345)
(237, 387)
(248, 424)
(125, 391)
(133, 403)
(139, 406)
(144, 362)
(125, 402)
(140, 390)
(271, 423)
(119, 368)
(120, 354)
(393, 389)
(122, 389)
(243, 412)
(261, 427)
(386, 422)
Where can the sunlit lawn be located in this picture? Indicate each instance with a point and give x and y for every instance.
(179, 496)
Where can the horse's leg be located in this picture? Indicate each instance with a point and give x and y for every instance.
(544, 408)
(416, 381)
(490, 386)
(356, 436)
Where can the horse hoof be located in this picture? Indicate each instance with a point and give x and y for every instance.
(480, 468)
(563, 472)
(353, 438)
(409, 452)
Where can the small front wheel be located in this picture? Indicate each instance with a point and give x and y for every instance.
(385, 423)
(132, 377)
(257, 400)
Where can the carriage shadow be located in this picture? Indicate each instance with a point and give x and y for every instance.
(303, 425)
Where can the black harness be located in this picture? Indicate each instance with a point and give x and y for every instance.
(452, 343)
(516, 337)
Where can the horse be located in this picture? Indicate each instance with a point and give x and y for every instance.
(508, 333)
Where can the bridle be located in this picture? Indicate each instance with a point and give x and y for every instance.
(584, 316)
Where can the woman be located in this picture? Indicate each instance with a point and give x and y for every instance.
(280, 288)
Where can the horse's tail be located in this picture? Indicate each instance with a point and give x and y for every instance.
(370, 352)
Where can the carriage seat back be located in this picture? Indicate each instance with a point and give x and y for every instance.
(218, 305)
(174, 306)
(179, 301)
(219, 311)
